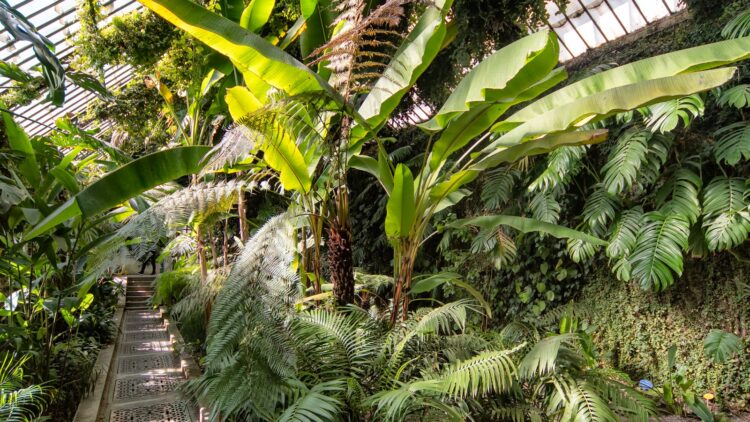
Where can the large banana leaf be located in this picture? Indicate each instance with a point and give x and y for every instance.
(526, 225)
(400, 210)
(683, 61)
(256, 14)
(411, 59)
(513, 74)
(21, 29)
(249, 52)
(318, 19)
(124, 183)
(606, 103)
(19, 141)
(506, 71)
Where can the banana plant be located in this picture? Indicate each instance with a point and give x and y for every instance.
(469, 125)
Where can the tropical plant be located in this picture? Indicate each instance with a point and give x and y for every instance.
(19, 401)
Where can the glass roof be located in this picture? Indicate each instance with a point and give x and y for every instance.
(58, 21)
(584, 25)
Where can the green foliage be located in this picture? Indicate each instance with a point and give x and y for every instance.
(19, 401)
(720, 345)
(664, 117)
(733, 143)
(726, 221)
(736, 96)
(625, 160)
(657, 257)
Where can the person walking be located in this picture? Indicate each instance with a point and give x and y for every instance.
(150, 258)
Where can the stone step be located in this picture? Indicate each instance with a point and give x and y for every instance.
(139, 293)
(140, 283)
(141, 277)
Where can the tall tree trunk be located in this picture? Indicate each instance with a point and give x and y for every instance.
(201, 255)
(241, 214)
(340, 258)
(403, 283)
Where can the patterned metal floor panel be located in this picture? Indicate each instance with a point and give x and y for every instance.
(149, 325)
(145, 386)
(145, 363)
(161, 412)
(146, 335)
(140, 347)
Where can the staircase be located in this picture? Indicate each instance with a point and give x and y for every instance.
(139, 292)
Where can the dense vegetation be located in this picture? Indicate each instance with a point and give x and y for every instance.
(531, 251)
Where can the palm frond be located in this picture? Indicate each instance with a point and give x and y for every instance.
(623, 236)
(321, 403)
(658, 152)
(720, 345)
(20, 402)
(543, 356)
(600, 209)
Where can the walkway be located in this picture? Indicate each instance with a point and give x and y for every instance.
(146, 370)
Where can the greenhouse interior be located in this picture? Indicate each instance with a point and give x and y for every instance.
(374, 210)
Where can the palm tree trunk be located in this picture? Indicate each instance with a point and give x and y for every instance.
(341, 264)
(201, 255)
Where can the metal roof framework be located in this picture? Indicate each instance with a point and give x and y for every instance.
(58, 21)
(581, 26)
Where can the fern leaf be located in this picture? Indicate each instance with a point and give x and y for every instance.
(680, 195)
(737, 27)
(544, 207)
(664, 117)
(600, 209)
(726, 221)
(318, 404)
(736, 96)
(657, 256)
(733, 143)
(543, 356)
(621, 169)
(487, 372)
(562, 165)
(624, 233)
(497, 188)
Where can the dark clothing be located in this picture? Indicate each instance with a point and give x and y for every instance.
(150, 258)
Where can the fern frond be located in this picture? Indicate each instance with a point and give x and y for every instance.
(625, 159)
(497, 187)
(600, 209)
(321, 403)
(624, 232)
(488, 372)
(664, 117)
(543, 356)
(544, 207)
(726, 220)
(733, 143)
(680, 195)
(657, 256)
(738, 27)
(563, 164)
(736, 96)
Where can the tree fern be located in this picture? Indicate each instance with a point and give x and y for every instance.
(544, 207)
(542, 358)
(600, 209)
(623, 236)
(738, 27)
(680, 195)
(736, 96)
(657, 256)
(497, 186)
(726, 221)
(625, 159)
(733, 143)
(664, 117)
(562, 165)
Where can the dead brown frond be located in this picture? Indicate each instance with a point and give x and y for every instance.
(359, 51)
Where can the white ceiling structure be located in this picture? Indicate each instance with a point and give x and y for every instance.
(585, 24)
(58, 21)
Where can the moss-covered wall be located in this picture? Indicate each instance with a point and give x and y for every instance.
(635, 328)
